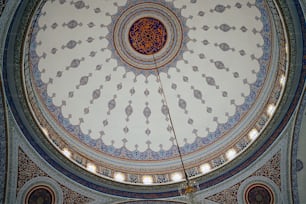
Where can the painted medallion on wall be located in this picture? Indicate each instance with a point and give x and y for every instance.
(40, 195)
(259, 194)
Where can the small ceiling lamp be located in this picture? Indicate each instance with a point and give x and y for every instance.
(282, 80)
(188, 189)
(118, 176)
(205, 168)
(253, 134)
(270, 110)
(66, 152)
(91, 167)
(176, 176)
(230, 154)
(147, 180)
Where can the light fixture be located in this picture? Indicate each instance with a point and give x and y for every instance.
(188, 187)
(66, 152)
(147, 180)
(253, 134)
(282, 80)
(205, 168)
(230, 154)
(176, 176)
(118, 176)
(91, 167)
(270, 110)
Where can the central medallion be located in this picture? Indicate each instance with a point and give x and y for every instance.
(146, 29)
(147, 35)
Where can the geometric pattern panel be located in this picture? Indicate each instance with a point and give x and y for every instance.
(28, 170)
(270, 171)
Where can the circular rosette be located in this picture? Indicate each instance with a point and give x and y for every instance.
(147, 36)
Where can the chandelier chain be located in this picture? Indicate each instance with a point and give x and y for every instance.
(170, 120)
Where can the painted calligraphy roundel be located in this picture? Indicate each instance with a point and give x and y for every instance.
(147, 35)
(259, 193)
(40, 194)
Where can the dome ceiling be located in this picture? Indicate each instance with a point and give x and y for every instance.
(109, 83)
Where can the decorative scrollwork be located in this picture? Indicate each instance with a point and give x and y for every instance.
(147, 35)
